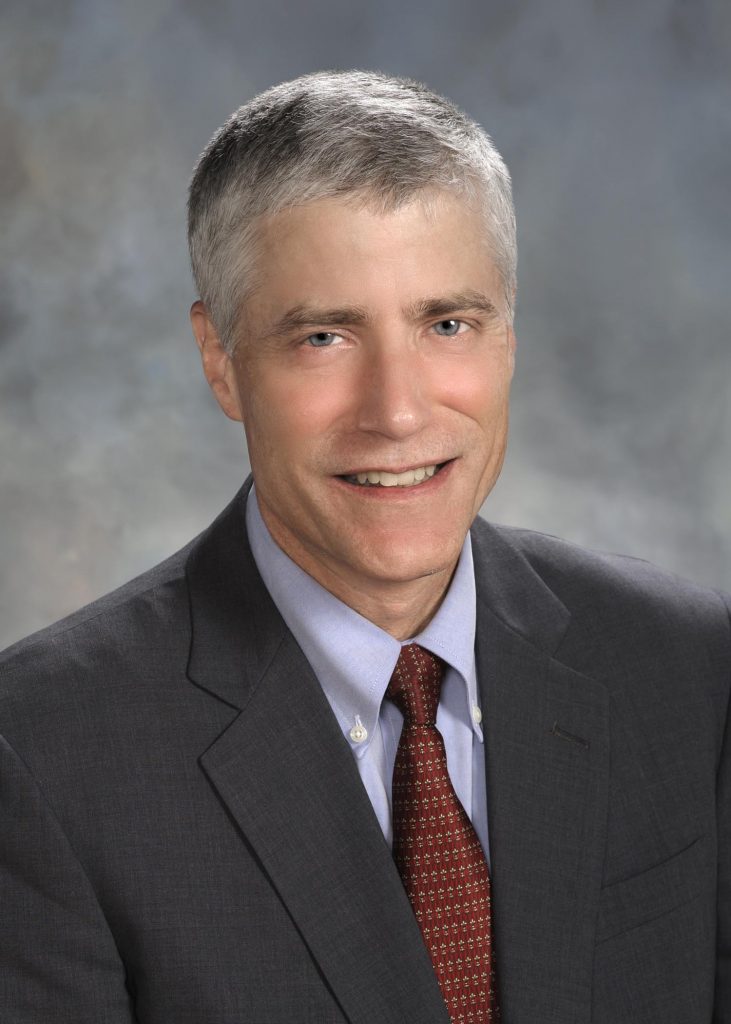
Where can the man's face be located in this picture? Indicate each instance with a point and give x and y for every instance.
(376, 345)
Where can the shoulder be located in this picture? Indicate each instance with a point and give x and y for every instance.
(108, 689)
(585, 578)
(129, 649)
(111, 643)
(112, 610)
(623, 611)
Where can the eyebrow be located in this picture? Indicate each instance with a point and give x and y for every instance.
(424, 309)
(472, 301)
(309, 316)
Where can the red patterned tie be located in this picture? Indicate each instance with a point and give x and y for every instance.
(436, 849)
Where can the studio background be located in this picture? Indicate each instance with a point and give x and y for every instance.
(615, 121)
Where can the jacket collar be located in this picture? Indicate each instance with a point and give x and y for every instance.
(236, 627)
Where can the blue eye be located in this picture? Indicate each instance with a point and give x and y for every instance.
(322, 339)
(448, 328)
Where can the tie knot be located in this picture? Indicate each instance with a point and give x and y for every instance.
(416, 684)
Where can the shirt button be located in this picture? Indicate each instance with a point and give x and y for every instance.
(359, 733)
(476, 714)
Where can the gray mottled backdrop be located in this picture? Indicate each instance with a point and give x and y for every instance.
(615, 118)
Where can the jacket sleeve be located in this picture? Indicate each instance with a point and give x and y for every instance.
(58, 959)
(722, 1005)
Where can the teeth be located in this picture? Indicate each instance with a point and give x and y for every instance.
(380, 478)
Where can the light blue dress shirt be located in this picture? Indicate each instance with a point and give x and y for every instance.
(354, 659)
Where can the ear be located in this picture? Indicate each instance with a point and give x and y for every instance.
(218, 366)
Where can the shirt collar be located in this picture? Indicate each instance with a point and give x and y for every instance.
(353, 658)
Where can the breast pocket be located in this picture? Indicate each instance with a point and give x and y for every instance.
(635, 901)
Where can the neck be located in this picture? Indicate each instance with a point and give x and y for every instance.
(401, 608)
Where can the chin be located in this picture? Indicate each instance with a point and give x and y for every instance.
(410, 560)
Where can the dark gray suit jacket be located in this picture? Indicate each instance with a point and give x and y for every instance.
(185, 838)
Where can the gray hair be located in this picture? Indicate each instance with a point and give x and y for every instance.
(334, 134)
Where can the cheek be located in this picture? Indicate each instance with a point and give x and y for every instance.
(292, 412)
(480, 394)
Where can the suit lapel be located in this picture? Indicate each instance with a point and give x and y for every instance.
(547, 765)
(288, 778)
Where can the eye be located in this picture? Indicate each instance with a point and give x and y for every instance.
(322, 339)
(449, 328)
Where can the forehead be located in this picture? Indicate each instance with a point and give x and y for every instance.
(346, 251)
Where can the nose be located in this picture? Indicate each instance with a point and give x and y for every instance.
(394, 399)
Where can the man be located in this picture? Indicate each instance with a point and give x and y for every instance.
(354, 754)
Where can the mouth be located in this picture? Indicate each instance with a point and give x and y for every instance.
(382, 478)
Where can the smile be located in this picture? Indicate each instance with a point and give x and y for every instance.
(382, 478)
